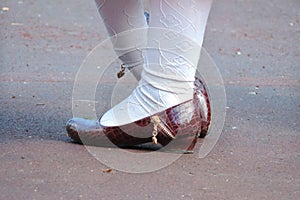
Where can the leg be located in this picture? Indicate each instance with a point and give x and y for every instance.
(168, 76)
(124, 16)
(186, 21)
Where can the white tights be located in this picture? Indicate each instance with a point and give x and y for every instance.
(168, 51)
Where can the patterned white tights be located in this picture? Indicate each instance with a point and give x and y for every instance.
(167, 49)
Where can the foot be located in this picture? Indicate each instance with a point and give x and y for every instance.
(176, 128)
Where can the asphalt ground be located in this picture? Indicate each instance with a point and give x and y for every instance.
(254, 43)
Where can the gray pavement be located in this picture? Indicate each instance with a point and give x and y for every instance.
(254, 43)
